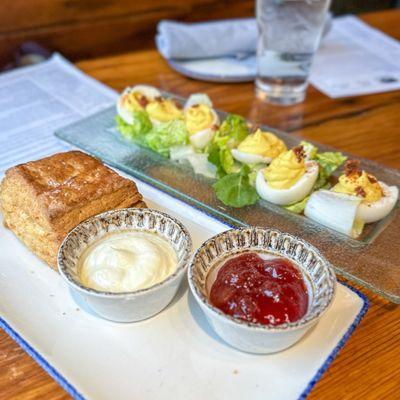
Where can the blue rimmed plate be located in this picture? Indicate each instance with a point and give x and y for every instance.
(175, 354)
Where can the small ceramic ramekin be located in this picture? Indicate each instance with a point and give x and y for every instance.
(128, 306)
(253, 337)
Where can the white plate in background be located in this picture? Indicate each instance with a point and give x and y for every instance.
(226, 69)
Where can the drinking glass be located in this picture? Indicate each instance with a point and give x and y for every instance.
(289, 35)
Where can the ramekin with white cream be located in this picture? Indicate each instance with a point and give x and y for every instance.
(127, 264)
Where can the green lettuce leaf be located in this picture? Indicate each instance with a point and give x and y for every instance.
(298, 207)
(235, 190)
(166, 135)
(231, 132)
(213, 154)
(136, 131)
(253, 171)
(213, 157)
(329, 162)
(252, 177)
(227, 161)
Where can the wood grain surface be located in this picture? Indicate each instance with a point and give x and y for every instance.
(368, 366)
(89, 28)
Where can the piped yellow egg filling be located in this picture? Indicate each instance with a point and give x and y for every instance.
(359, 183)
(134, 101)
(199, 117)
(265, 144)
(163, 110)
(286, 169)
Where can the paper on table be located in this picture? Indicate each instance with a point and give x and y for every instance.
(355, 59)
(37, 100)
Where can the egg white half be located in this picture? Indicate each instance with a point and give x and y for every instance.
(377, 210)
(146, 90)
(248, 158)
(123, 112)
(202, 138)
(291, 195)
(198, 98)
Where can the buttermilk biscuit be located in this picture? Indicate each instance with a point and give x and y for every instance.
(43, 200)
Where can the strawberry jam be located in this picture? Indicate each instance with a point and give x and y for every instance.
(268, 290)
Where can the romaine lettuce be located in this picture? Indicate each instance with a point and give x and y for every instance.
(328, 163)
(166, 135)
(136, 131)
(231, 132)
(298, 207)
(227, 161)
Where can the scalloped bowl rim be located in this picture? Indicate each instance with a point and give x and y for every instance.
(291, 326)
(182, 263)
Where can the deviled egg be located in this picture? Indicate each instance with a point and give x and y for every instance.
(135, 98)
(357, 199)
(201, 120)
(259, 147)
(377, 198)
(163, 110)
(288, 179)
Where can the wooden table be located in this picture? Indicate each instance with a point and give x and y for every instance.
(368, 126)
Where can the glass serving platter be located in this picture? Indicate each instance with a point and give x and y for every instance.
(371, 260)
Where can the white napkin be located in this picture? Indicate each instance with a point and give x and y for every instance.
(232, 37)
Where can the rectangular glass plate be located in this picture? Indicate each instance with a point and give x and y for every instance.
(174, 355)
(372, 260)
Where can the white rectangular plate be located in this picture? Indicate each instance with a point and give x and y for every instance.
(174, 355)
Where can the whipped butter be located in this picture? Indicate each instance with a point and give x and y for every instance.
(126, 261)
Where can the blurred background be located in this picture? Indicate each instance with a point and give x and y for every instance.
(90, 28)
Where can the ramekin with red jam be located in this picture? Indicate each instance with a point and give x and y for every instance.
(261, 289)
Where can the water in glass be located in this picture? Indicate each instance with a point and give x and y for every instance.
(289, 34)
